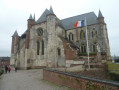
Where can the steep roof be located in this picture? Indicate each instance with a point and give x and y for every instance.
(15, 34)
(43, 16)
(68, 23)
(100, 14)
(30, 17)
(51, 10)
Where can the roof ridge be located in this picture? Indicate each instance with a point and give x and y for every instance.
(77, 15)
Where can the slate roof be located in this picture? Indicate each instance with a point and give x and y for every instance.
(51, 11)
(100, 14)
(30, 17)
(15, 34)
(68, 23)
(43, 16)
(4, 58)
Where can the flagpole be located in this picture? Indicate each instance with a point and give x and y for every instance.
(87, 45)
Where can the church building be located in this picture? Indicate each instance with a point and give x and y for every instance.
(53, 42)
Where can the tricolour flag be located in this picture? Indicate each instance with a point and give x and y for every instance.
(79, 23)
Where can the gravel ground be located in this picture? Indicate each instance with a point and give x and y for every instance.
(27, 80)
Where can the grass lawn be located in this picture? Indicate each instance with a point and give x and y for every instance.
(113, 70)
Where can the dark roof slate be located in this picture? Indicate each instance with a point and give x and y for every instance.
(4, 58)
(15, 34)
(100, 14)
(68, 23)
(51, 11)
(30, 17)
(43, 16)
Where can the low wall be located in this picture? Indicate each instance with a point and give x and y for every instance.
(78, 82)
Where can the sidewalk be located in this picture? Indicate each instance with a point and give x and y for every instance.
(27, 80)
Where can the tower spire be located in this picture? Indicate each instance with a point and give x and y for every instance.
(15, 34)
(51, 10)
(30, 17)
(34, 17)
(100, 14)
(100, 17)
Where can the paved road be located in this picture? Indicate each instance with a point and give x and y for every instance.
(27, 80)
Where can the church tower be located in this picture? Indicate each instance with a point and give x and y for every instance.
(14, 48)
(100, 17)
(30, 21)
(104, 35)
(51, 45)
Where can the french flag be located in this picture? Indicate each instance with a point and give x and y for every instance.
(79, 24)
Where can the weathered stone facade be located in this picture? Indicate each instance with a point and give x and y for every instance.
(51, 42)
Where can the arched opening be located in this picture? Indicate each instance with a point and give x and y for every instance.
(38, 47)
(94, 48)
(59, 51)
(42, 47)
(92, 34)
(83, 49)
(71, 37)
(84, 35)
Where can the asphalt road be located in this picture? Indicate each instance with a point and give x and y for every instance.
(27, 80)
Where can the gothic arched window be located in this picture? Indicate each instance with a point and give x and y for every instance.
(71, 37)
(96, 32)
(94, 48)
(59, 51)
(92, 34)
(83, 49)
(83, 34)
(42, 47)
(40, 31)
(38, 47)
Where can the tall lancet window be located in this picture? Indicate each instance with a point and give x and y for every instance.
(81, 34)
(38, 47)
(71, 37)
(42, 47)
(92, 34)
(59, 51)
(94, 48)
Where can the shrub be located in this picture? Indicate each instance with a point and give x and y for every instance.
(113, 71)
(1, 71)
(85, 54)
(114, 76)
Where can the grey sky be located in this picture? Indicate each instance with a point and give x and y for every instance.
(14, 15)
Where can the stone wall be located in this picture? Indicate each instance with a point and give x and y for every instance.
(78, 82)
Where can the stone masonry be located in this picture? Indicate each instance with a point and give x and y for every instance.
(51, 42)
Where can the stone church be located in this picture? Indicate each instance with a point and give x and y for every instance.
(53, 42)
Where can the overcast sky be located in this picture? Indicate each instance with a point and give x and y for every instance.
(14, 15)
